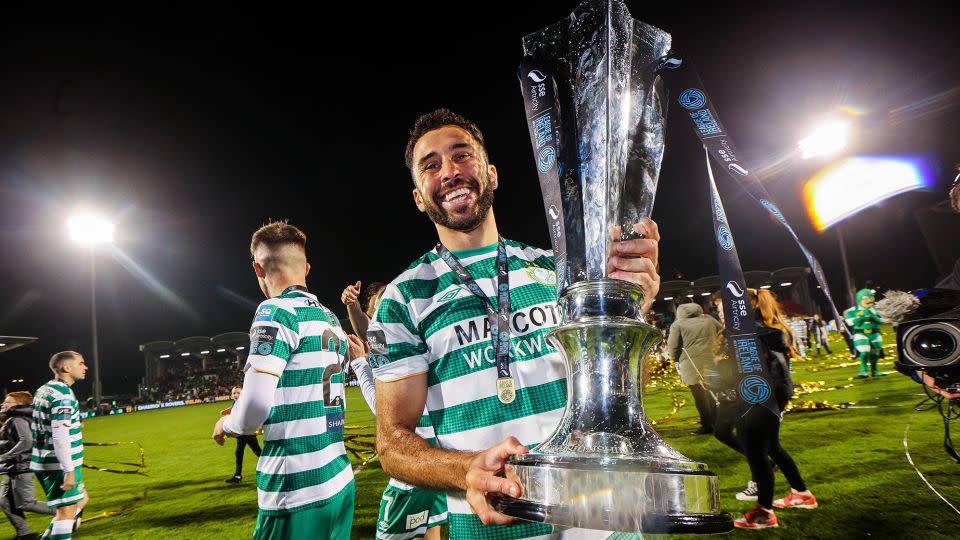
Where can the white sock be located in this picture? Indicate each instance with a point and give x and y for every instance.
(805, 492)
(62, 528)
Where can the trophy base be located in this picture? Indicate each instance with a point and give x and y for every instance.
(617, 494)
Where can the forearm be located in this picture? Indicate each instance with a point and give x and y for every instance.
(358, 319)
(61, 445)
(361, 368)
(407, 457)
(253, 407)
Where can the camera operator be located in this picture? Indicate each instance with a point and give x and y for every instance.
(904, 306)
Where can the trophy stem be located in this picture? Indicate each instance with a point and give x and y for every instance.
(604, 467)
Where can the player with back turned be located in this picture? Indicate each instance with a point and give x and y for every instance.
(293, 388)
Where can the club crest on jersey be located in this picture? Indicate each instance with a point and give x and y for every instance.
(265, 313)
(542, 276)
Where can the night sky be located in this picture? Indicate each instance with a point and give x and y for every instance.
(192, 129)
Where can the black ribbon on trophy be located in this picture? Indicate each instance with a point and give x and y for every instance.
(705, 121)
(543, 118)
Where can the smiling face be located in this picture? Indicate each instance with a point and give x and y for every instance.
(455, 184)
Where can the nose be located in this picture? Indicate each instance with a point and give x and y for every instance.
(448, 170)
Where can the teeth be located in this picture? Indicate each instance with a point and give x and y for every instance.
(456, 193)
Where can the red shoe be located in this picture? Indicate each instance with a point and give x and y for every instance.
(758, 518)
(796, 500)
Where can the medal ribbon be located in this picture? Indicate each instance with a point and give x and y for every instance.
(499, 319)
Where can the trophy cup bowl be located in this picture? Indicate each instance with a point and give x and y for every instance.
(603, 467)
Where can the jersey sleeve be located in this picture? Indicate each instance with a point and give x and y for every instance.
(274, 335)
(397, 349)
(62, 410)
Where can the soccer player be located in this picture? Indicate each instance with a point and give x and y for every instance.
(57, 454)
(406, 512)
(293, 387)
(242, 442)
(432, 346)
(362, 306)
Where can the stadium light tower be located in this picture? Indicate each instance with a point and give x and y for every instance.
(91, 230)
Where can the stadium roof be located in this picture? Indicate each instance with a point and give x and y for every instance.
(8, 343)
(676, 289)
(198, 345)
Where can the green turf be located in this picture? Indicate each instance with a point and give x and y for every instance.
(852, 459)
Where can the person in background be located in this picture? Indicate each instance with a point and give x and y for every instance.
(361, 307)
(16, 438)
(798, 329)
(819, 332)
(57, 455)
(758, 429)
(691, 343)
(242, 442)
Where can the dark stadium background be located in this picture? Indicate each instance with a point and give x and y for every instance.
(193, 128)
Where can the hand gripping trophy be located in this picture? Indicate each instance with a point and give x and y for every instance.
(595, 107)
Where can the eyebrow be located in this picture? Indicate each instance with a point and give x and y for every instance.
(431, 155)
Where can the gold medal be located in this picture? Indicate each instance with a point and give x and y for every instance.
(506, 390)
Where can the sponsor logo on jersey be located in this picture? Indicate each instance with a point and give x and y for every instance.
(262, 339)
(449, 295)
(265, 313)
(335, 421)
(522, 322)
(418, 519)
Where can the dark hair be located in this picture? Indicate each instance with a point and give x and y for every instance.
(369, 292)
(278, 233)
(60, 358)
(437, 119)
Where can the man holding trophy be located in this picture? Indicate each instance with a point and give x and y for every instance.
(440, 350)
(529, 361)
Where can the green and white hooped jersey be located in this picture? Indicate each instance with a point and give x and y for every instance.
(55, 401)
(428, 322)
(304, 463)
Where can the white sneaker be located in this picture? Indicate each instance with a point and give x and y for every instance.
(749, 494)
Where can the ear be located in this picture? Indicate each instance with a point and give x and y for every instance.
(418, 200)
(308, 270)
(494, 181)
(257, 269)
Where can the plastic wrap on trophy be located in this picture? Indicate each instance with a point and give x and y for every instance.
(604, 467)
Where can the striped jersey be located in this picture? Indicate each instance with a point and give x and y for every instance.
(304, 463)
(430, 323)
(55, 401)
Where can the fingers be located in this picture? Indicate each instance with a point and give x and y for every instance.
(358, 347)
(488, 483)
(636, 266)
(478, 502)
(648, 228)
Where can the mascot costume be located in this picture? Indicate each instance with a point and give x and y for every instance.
(864, 324)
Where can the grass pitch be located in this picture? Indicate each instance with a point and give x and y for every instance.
(853, 460)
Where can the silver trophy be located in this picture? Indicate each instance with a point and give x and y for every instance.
(604, 467)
